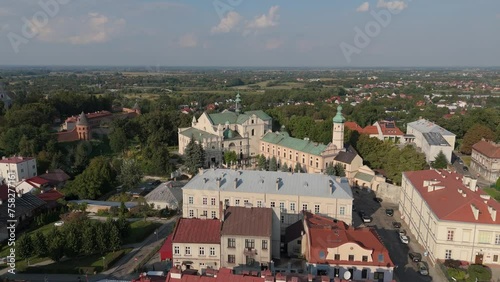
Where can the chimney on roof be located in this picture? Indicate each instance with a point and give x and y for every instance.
(475, 211)
(278, 183)
(269, 278)
(310, 277)
(473, 184)
(486, 197)
(175, 273)
(464, 194)
(331, 186)
(218, 182)
(236, 183)
(280, 277)
(200, 171)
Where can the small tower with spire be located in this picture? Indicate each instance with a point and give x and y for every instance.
(238, 101)
(338, 129)
(136, 108)
(83, 127)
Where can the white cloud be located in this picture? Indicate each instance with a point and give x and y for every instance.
(229, 22)
(363, 8)
(392, 5)
(188, 40)
(266, 20)
(274, 44)
(92, 28)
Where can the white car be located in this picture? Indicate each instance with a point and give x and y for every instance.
(59, 223)
(404, 239)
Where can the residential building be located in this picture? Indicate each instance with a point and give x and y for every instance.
(166, 195)
(32, 185)
(333, 248)
(449, 216)
(56, 178)
(312, 157)
(290, 192)
(15, 169)
(430, 138)
(365, 177)
(485, 159)
(227, 131)
(51, 197)
(350, 160)
(382, 130)
(196, 243)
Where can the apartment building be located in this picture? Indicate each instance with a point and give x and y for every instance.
(196, 244)
(485, 159)
(290, 193)
(450, 216)
(430, 138)
(15, 169)
(250, 237)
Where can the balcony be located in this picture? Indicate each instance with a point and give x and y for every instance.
(250, 252)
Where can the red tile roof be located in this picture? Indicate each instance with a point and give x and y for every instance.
(14, 160)
(36, 181)
(371, 129)
(389, 128)
(321, 230)
(353, 126)
(67, 136)
(488, 149)
(90, 116)
(166, 249)
(248, 221)
(51, 195)
(448, 203)
(195, 230)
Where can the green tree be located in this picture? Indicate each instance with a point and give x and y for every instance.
(39, 244)
(130, 174)
(339, 170)
(298, 168)
(55, 244)
(96, 180)
(72, 240)
(118, 140)
(25, 246)
(262, 162)
(88, 238)
(474, 135)
(330, 169)
(123, 209)
(230, 157)
(193, 157)
(440, 161)
(114, 236)
(284, 167)
(273, 164)
(82, 154)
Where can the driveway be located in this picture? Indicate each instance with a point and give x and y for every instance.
(406, 270)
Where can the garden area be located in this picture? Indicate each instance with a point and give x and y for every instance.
(140, 230)
(456, 271)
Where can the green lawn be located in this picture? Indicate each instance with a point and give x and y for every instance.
(140, 230)
(493, 193)
(466, 160)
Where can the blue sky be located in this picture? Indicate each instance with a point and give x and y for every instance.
(250, 33)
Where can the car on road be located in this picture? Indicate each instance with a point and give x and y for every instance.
(59, 223)
(396, 224)
(460, 161)
(377, 199)
(402, 232)
(361, 213)
(366, 218)
(404, 239)
(389, 212)
(466, 168)
(414, 256)
(422, 269)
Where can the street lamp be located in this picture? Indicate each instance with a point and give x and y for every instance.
(156, 232)
(103, 258)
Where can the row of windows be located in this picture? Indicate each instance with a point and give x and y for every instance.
(249, 243)
(187, 251)
(483, 238)
(447, 255)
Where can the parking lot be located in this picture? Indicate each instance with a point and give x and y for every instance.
(406, 269)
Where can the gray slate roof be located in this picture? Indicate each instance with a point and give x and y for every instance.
(168, 192)
(346, 157)
(425, 126)
(435, 139)
(128, 205)
(250, 181)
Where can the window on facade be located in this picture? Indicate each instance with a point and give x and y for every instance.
(237, 202)
(273, 204)
(303, 160)
(250, 243)
(202, 251)
(282, 219)
(226, 202)
(311, 162)
(212, 251)
(316, 208)
(495, 258)
(22, 170)
(231, 258)
(177, 250)
(351, 257)
(214, 214)
(450, 235)
(282, 206)
(264, 244)
(187, 251)
(259, 204)
(205, 201)
(268, 150)
(292, 206)
(380, 257)
(337, 257)
(497, 239)
(317, 164)
(253, 132)
(378, 276)
(191, 213)
(190, 200)
(231, 243)
(304, 207)
(484, 237)
(342, 211)
(364, 258)
(447, 254)
(364, 273)
(205, 213)
(212, 201)
(245, 201)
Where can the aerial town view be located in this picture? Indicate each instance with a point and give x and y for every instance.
(249, 141)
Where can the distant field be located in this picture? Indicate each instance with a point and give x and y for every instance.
(147, 96)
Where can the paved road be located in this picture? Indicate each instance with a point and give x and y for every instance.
(406, 270)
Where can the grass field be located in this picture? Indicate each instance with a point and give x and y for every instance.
(140, 230)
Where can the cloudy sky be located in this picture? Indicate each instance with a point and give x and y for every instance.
(330, 33)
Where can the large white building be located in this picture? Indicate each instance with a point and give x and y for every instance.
(15, 169)
(485, 159)
(227, 131)
(450, 216)
(289, 192)
(430, 138)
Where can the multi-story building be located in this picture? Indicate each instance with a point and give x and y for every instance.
(250, 237)
(227, 131)
(450, 216)
(196, 243)
(485, 159)
(430, 138)
(290, 192)
(15, 169)
(334, 249)
(382, 130)
(312, 157)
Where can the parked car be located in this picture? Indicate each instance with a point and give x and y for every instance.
(389, 212)
(466, 168)
(402, 232)
(361, 213)
(59, 223)
(377, 199)
(414, 256)
(396, 224)
(422, 269)
(404, 239)
(366, 218)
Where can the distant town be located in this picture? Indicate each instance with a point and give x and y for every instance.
(249, 174)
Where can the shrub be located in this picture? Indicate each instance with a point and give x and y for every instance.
(481, 272)
(452, 263)
(458, 274)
